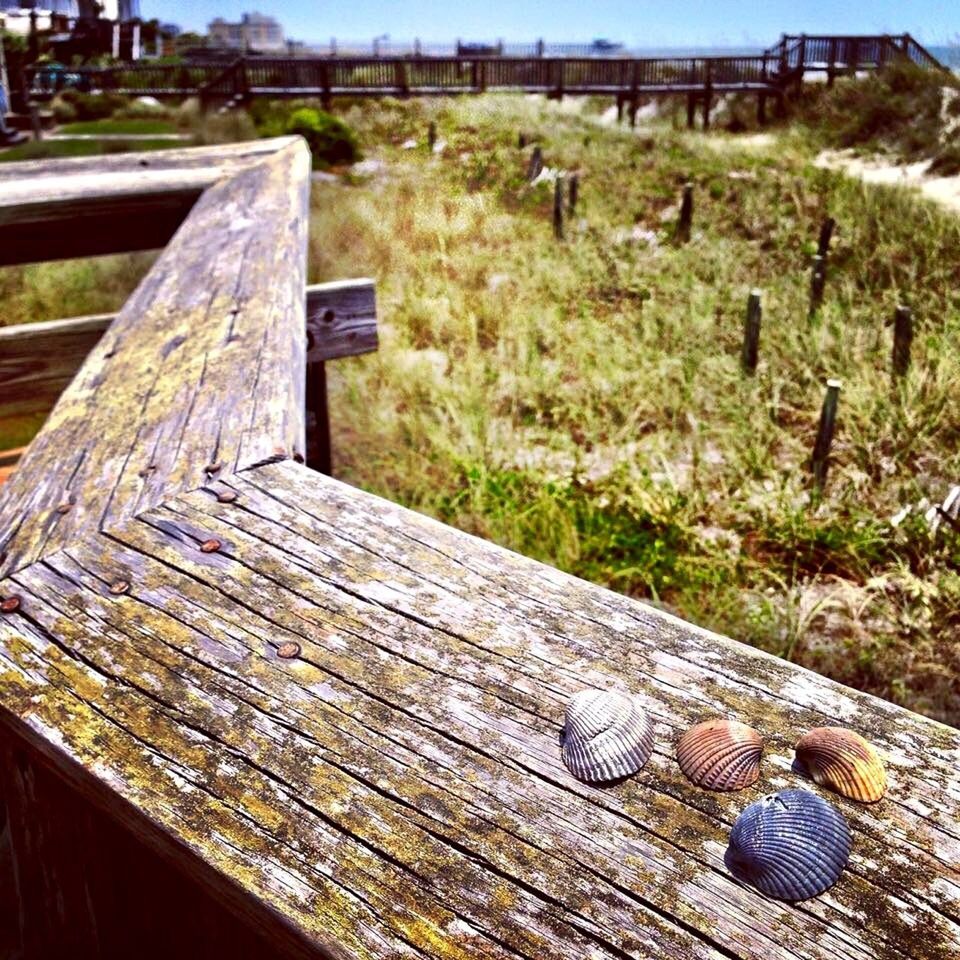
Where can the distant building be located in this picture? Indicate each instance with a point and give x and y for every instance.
(254, 32)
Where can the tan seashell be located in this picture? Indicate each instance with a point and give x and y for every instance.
(842, 760)
(721, 754)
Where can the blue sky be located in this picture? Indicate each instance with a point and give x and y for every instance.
(648, 23)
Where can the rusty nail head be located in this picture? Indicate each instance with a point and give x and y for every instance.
(64, 507)
(213, 467)
(227, 496)
(211, 546)
(120, 586)
(10, 605)
(288, 650)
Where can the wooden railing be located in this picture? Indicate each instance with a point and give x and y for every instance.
(246, 710)
(359, 76)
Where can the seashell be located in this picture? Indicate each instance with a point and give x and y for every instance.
(720, 754)
(791, 845)
(606, 735)
(844, 761)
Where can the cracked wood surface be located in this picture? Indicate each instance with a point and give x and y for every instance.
(397, 788)
(204, 365)
(394, 788)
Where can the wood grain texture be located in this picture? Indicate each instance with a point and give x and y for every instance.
(342, 723)
(402, 775)
(341, 319)
(38, 360)
(204, 365)
(95, 205)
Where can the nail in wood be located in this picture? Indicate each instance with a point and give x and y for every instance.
(902, 339)
(828, 422)
(751, 332)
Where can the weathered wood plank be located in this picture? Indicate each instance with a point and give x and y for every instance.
(204, 366)
(38, 360)
(79, 868)
(88, 206)
(341, 319)
(417, 731)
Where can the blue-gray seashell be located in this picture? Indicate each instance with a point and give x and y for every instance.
(606, 735)
(791, 845)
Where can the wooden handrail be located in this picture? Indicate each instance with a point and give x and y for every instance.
(247, 706)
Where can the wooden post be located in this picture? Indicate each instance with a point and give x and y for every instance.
(818, 279)
(826, 233)
(574, 192)
(902, 339)
(521, 140)
(833, 60)
(619, 108)
(326, 98)
(828, 421)
(432, 135)
(536, 164)
(558, 208)
(707, 96)
(686, 214)
(751, 332)
(319, 451)
(691, 110)
(633, 111)
(35, 122)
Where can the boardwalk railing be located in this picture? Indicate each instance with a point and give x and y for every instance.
(249, 711)
(327, 77)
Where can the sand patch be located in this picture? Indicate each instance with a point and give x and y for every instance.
(942, 190)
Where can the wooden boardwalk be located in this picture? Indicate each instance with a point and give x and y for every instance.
(771, 73)
(247, 710)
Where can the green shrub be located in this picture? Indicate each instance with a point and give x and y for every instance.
(63, 110)
(331, 141)
(92, 106)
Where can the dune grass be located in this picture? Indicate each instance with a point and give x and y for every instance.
(582, 401)
(124, 126)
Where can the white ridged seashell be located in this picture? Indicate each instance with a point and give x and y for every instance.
(607, 735)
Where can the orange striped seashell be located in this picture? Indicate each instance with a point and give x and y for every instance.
(721, 754)
(843, 761)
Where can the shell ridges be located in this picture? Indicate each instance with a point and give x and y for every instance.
(720, 754)
(791, 845)
(606, 735)
(843, 761)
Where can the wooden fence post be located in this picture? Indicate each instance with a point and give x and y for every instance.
(686, 214)
(558, 208)
(751, 332)
(317, 404)
(828, 422)
(35, 122)
(707, 96)
(826, 233)
(536, 164)
(432, 135)
(691, 110)
(902, 339)
(818, 279)
(574, 192)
